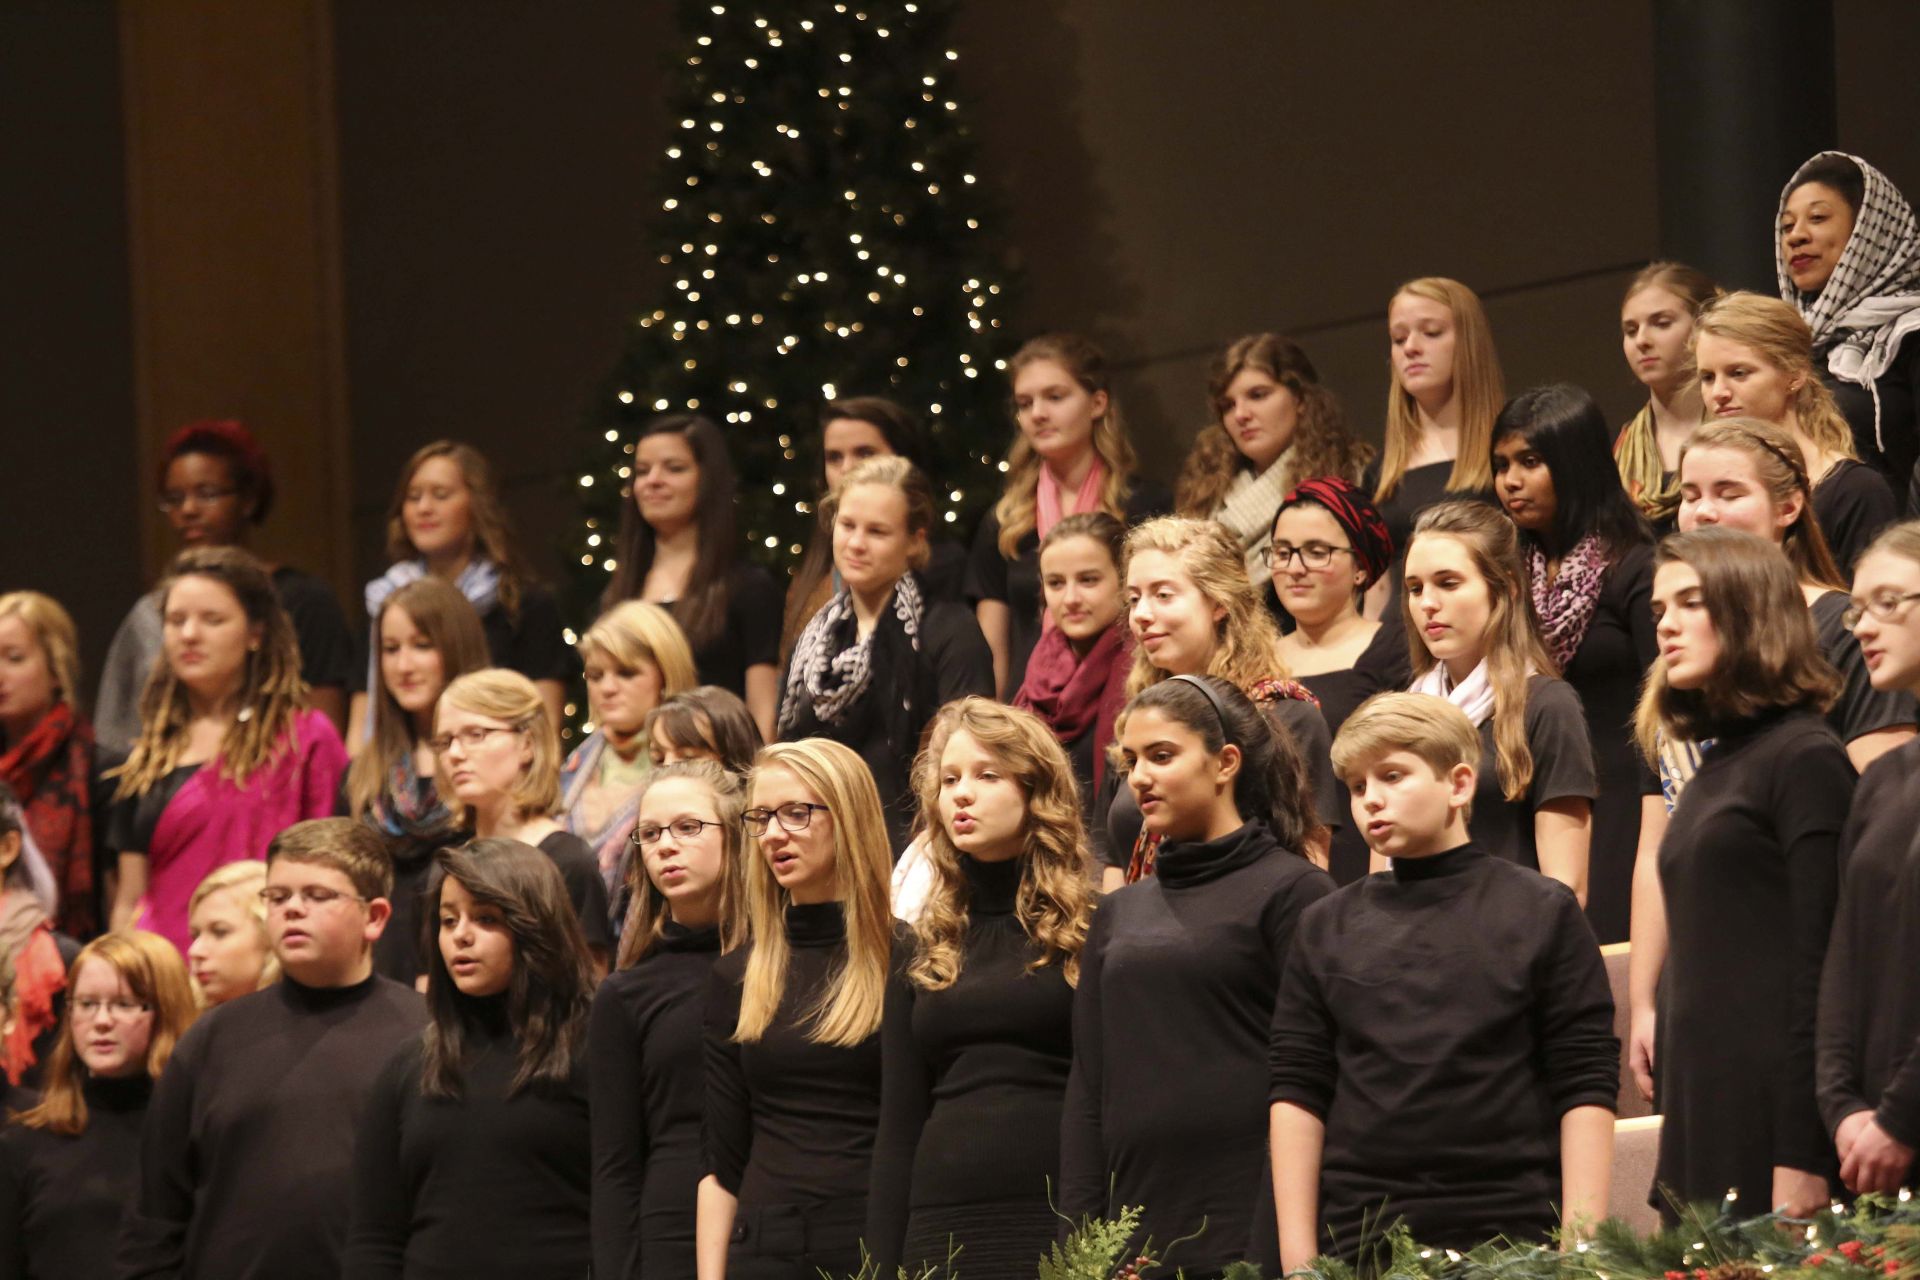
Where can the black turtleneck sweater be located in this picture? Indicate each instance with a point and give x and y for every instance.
(493, 1182)
(61, 1197)
(789, 1121)
(1168, 1096)
(247, 1155)
(1440, 1018)
(648, 1093)
(988, 1055)
(1750, 872)
(1869, 1037)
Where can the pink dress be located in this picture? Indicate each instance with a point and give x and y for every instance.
(210, 821)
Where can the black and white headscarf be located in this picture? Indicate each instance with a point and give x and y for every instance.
(1872, 301)
(832, 678)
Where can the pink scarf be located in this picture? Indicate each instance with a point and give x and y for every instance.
(1047, 509)
(1047, 496)
(1566, 607)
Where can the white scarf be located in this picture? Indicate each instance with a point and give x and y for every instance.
(1247, 512)
(1474, 695)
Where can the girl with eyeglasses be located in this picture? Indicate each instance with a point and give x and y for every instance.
(793, 1023)
(70, 1165)
(429, 636)
(499, 770)
(1167, 1101)
(1329, 546)
(647, 1068)
(1747, 873)
(1589, 562)
(473, 1145)
(229, 752)
(215, 486)
(1869, 1002)
(978, 1030)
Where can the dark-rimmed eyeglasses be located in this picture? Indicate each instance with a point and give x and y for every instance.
(1880, 609)
(1313, 555)
(648, 833)
(118, 1009)
(205, 495)
(793, 817)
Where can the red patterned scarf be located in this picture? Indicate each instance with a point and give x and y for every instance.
(48, 770)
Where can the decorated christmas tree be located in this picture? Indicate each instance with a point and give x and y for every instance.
(826, 234)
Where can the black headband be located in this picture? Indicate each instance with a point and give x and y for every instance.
(1213, 700)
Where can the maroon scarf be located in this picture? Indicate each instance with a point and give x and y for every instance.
(48, 771)
(1074, 694)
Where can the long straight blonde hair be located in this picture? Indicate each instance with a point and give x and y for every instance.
(1086, 364)
(1477, 388)
(848, 1010)
(1511, 642)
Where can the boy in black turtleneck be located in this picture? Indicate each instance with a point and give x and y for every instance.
(248, 1144)
(1442, 1050)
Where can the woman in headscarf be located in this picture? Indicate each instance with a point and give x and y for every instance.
(1848, 256)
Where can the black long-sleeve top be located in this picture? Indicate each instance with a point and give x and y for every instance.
(648, 1092)
(789, 1121)
(988, 1055)
(247, 1153)
(1852, 503)
(1893, 445)
(1168, 1093)
(489, 1183)
(1869, 1029)
(1440, 1018)
(61, 1196)
(1750, 871)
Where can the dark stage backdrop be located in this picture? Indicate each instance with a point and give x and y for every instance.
(1169, 183)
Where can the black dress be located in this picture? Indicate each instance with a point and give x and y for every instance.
(326, 645)
(648, 1093)
(1852, 504)
(494, 1182)
(1860, 709)
(1419, 488)
(988, 1055)
(1440, 1018)
(1896, 449)
(1382, 666)
(1605, 672)
(1749, 870)
(1301, 721)
(750, 634)
(905, 690)
(61, 1197)
(1016, 582)
(1167, 1102)
(586, 887)
(1562, 769)
(789, 1122)
(1869, 1038)
(246, 1158)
